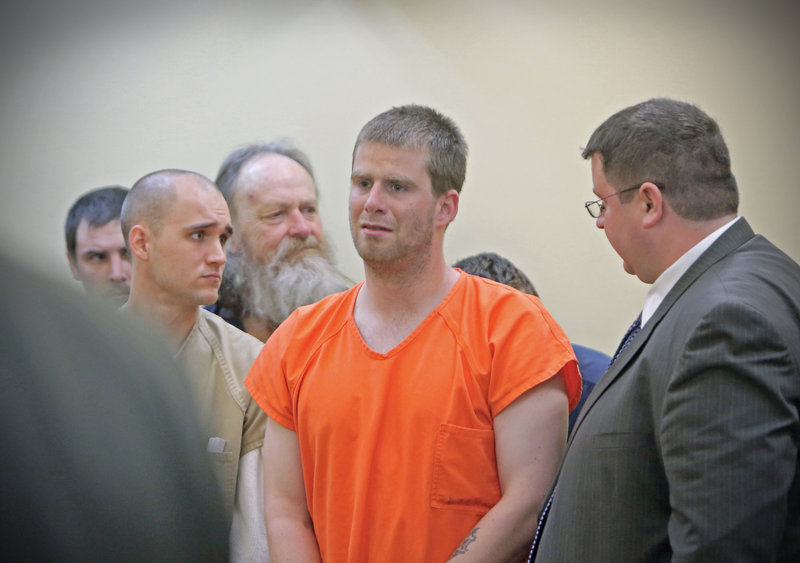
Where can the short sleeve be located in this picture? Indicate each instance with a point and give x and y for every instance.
(529, 347)
(267, 381)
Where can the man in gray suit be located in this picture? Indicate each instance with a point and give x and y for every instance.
(687, 448)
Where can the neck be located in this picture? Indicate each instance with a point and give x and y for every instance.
(176, 319)
(388, 292)
(387, 310)
(685, 237)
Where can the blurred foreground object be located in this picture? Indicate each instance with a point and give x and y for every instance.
(102, 460)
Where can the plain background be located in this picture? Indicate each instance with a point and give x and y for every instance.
(102, 92)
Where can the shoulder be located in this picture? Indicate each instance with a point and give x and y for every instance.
(758, 275)
(230, 344)
(311, 324)
(740, 259)
(475, 289)
(487, 314)
(476, 300)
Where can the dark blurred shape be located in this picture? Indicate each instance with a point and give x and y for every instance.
(492, 266)
(101, 457)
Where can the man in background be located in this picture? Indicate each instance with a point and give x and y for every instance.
(687, 449)
(591, 363)
(96, 248)
(278, 258)
(177, 225)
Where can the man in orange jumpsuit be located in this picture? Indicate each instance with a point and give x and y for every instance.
(422, 414)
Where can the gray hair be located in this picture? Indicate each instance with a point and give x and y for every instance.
(228, 175)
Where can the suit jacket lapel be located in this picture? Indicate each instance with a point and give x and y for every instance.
(739, 233)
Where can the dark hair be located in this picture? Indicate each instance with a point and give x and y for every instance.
(229, 170)
(494, 267)
(98, 207)
(422, 128)
(674, 144)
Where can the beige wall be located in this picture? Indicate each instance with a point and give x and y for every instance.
(101, 92)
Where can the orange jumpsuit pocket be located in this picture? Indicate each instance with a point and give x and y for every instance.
(465, 470)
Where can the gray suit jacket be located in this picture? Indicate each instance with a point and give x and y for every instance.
(687, 448)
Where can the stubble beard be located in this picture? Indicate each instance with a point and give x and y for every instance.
(399, 258)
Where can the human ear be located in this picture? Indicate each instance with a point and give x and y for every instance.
(139, 241)
(447, 208)
(652, 201)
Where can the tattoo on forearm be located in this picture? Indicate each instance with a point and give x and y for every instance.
(464, 547)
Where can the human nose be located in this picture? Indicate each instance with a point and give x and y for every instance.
(600, 222)
(299, 225)
(374, 202)
(217, 253)
(118, 272)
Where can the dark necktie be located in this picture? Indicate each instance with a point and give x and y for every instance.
(632, 331)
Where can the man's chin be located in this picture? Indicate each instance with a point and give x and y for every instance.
(116, 295)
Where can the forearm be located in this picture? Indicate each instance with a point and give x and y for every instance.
(290, 529)
(503, 535)
(527, 463)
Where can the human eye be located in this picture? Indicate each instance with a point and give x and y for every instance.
(223, 239)
(310, 209)
(272, 215)
(362, 183)
(96, 256)
(601, 207)
(395, 187)
(197, 235)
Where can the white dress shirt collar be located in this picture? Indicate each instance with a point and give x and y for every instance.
(669, 277)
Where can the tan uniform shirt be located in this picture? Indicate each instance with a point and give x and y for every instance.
(218, 356)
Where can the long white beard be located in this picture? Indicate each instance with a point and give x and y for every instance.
(291, 279)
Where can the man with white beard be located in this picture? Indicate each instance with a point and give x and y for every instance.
(278, 258)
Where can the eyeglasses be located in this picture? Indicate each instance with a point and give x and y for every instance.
(597, 207)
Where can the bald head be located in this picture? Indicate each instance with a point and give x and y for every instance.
(150, 197)
(177, 224)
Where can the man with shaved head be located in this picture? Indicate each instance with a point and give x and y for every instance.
(176, 224)
(278, 258)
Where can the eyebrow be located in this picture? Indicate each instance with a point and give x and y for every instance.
(400, 180)
(203, 226)
(391, 179)
(284, 204)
